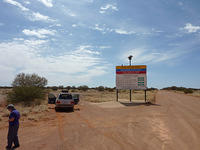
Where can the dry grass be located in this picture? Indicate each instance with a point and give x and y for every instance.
(33, 113)
(196, 93)
(105, 96)
(37, 112)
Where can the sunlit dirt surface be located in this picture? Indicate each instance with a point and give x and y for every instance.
(173, 123)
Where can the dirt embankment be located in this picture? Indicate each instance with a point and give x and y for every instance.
(172, 124)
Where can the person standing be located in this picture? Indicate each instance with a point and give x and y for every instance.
(13, 127)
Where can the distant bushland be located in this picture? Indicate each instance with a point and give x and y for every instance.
(182, 89)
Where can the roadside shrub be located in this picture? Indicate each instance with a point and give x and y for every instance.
(69, 87)
(187, 91)
(151, 89)
(27, 88)
(109, 89)
(182, 89)
(73, 90)
(54, 88)
(61, 87)
(100, 88)
(83, 88)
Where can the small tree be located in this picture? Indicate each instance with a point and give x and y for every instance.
(55, 88)
(188, 91)
(27, 88)
(61, 87)
(83, 88)
(100, 88)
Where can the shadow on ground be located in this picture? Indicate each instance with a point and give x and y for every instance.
(138, 104)
(67, 110)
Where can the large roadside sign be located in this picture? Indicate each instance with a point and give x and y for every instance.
(131, 77)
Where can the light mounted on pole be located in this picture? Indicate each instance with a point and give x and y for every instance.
(130, 58)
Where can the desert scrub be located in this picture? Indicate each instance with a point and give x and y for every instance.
(27, 89)
(39, 108)
(5, 114)
(33, 118)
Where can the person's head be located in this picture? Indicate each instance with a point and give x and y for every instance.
(10, 107)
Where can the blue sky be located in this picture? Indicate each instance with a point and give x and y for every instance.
(78, 42)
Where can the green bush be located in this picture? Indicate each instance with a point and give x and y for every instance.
(55, 88)
(100, 88)
(109, 89)
(187, 91)
(182, 89)
(27, 89)
(83, 88)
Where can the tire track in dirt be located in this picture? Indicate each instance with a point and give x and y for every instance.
(161, 131)
(61, 123)
(107, 135)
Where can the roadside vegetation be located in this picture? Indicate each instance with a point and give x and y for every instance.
(98, 96)
(190, 91)
(29, 94)
(28, 89)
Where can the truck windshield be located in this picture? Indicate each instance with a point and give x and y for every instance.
(65, 96)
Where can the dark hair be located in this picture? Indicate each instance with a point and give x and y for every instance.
(10, 106)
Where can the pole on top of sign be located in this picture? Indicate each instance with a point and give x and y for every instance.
(130, 58)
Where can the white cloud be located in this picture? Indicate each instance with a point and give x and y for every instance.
(104, 47)
(121, 31)
(103, 9)
(190, 28)
(97, 27)
(87, 49)
(47, 3)
(36, 16)
(69, 12)
(58, 25)
(35, 42)
(76, 67)
(12, 2)
(40, 33)
(27, 2)
(103, 29)
(55, 25)
(74, 25)
(142, 56)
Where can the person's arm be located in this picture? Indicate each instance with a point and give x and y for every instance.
(11, 119)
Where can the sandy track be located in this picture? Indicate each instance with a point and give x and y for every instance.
(174, 123)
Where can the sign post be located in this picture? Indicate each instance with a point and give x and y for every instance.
(132, 77)
(130, 57)
(117, 95)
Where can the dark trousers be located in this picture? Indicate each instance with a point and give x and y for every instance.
(13, 135)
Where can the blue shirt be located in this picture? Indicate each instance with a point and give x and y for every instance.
(16, 115)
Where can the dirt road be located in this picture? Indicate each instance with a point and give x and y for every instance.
(172, 124)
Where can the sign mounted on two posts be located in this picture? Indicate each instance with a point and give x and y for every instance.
(131, 77)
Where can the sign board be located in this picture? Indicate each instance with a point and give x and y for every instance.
(131, 77)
